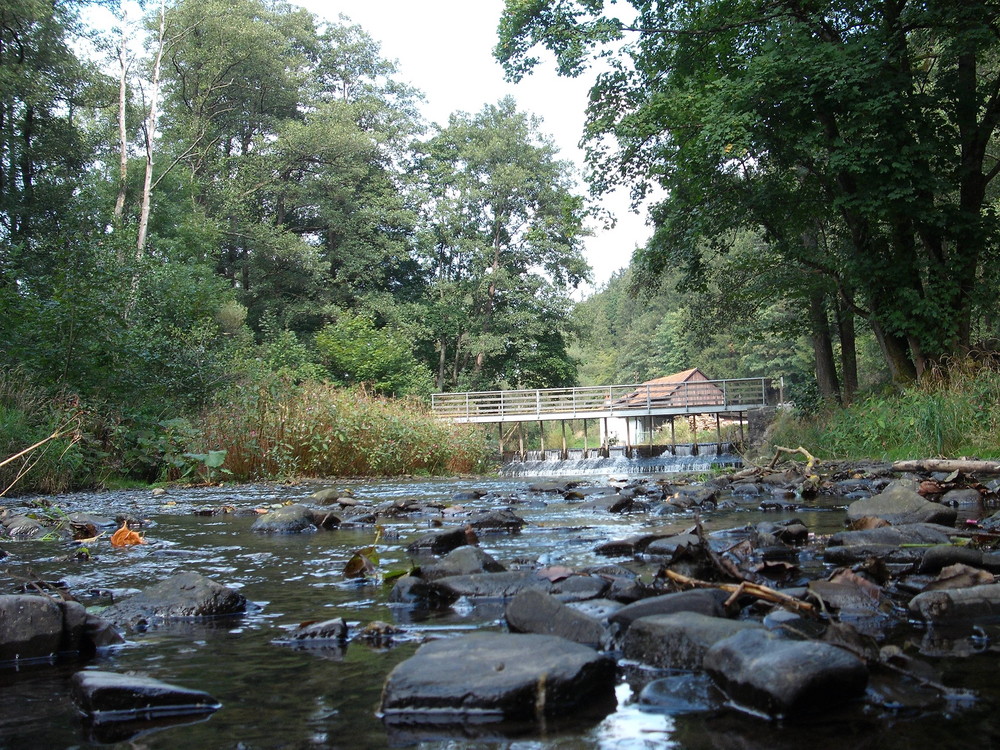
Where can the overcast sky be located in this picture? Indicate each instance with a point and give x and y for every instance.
(444, 48)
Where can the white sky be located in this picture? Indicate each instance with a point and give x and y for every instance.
(444, 48)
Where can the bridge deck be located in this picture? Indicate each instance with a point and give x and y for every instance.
(596, 402)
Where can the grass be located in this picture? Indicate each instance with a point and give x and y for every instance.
(948, 414)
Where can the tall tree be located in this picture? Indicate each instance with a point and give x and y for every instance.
(873, 118)
(502, 239)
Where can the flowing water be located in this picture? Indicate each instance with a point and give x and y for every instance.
(278, 696)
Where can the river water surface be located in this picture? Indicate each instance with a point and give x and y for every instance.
(277, 696)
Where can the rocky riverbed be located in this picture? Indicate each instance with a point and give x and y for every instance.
(849, 605)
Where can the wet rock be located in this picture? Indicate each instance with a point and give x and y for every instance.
(533, 611)
(898, 504)
(961, 604)
(496, 520)
(317, 633)
(465, 560)
(89, 519)
(439, 542)
(992, 523)
(784, 678)
(496, 677)
(560, 487)
(859, 553)
(108, 696)
(704, 601)
(967, 496)
(598, 609)
(959, 576)
(682, 694)
(507, 585)
(848, 597)
(936, 558)
(694, 497)
(671, 546)
(792, 531)
(746, 489)
(333, 496)
(22, 527)
(40, 627)
(288, 519)
(581, 493)
(465, 496)
(183, 596)
(679, 640)
(915, 533)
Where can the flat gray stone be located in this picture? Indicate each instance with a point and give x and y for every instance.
(708, 602)
(783, 678)
(496, 676)
(537, 612)
(900, 505)
(679, 640)
(109, 696)
(288, 519)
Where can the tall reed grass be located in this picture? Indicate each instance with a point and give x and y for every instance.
(280, 430)
(948, 414)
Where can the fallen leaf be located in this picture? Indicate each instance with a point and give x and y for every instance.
(125, 537)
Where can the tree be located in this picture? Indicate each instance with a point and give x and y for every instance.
(869, 121)
(501, 239)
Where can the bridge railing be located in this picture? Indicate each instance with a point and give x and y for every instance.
(608, 400)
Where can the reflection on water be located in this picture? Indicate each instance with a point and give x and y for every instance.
(278, 696)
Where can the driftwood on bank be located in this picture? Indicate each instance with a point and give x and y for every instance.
(965, 466)
(745, 587)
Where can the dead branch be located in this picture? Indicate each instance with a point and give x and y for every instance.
(778, 450)
(746, 587)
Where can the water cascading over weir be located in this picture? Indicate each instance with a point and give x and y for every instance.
(627, 417)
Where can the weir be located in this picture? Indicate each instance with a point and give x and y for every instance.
(687, 458)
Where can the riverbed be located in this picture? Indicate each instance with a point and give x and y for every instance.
(274, 695)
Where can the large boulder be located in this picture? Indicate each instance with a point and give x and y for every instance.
(288, 519)
(497, 676)
(783, 678)
(710, 602)
(39, 627)
(679, 640)
(184, 596)
(534, 611)
(899, 504)
(439, 542)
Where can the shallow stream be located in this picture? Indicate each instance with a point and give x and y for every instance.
(278, 696)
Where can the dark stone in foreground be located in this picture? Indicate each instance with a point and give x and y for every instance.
(317, 633)
(533, 611)
(38, 627)
(784, 678)
(107, 696)
(680, 640)
(496, 677)
(183, 596)
(708, 602)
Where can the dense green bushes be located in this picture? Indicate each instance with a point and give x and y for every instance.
(953, 415)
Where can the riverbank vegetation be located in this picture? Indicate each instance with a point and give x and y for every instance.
(230, 246)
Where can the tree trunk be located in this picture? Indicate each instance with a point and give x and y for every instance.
(123, 62)
(826, 368)
(151, 124)
(848, 352)
(896, 353)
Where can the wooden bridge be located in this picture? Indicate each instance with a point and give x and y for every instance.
(723, 397)
(634, 411)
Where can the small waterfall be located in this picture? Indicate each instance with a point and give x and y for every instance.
(686, 459)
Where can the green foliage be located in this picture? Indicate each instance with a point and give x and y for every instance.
(952, 416)
(355, 352)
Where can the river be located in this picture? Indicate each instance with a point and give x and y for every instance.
(277, 696)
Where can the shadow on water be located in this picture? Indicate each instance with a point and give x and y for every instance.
(277, 696)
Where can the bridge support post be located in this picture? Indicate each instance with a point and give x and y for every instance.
(585, 448)
(742, 438)
(718, 435)
(606, 445)
(500, 425)
(520, 439)
(564, 455)
(541, 437)
(628, 439)
(673, 436)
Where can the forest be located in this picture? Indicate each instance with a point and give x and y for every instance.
(226, 218)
